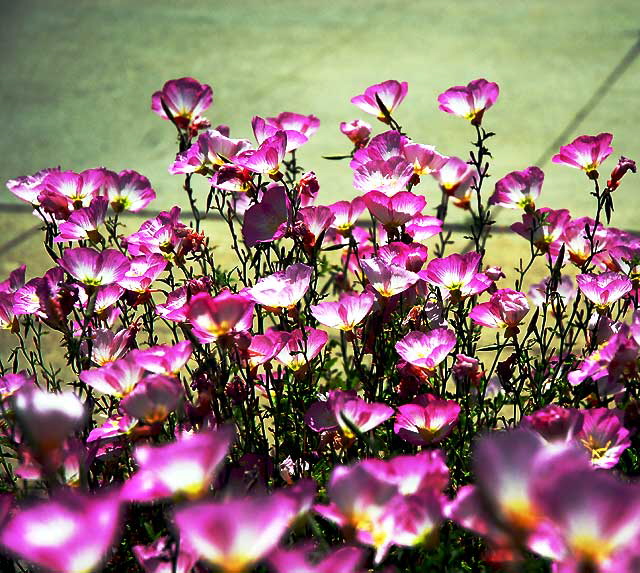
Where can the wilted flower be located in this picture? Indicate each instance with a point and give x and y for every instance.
(619, 171)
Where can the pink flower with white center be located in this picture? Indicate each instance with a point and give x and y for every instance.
(424, 158)
(129, 191)
(313, 222)
(112, 428)
(164, 359)
(28, 187)
(389, 177)
(211, 150)
(153, 398)
(83, 223)
(306, 124)
(267, 220)
(142, 272)
(263, 129)
(223, 315)
(391, 93)
(605, 289)
(342, 560)
(116, 378)
(394, 211)
(388, 279)
(506, 309)
(519, 189)
(544, 228)
(565, 291)
(78, 189)
(577, 242)
(423, 227)
(412, 257)
(586, 152)
(426, 421)
(157, 235)
(93, 268)
(235, 533)
(108, 346)
(10, 383)
(268, 157)
(70, 533)
(158, 557)
(265, 347)
(604, 436)
(176, 307)
(470, 101)
(352, 413)
(187, 466)
(345, 313)
(282, 289)
(426, 349)
(555, 424)
(457, 275)
(357, 131)
(346, 214)
(383, 147)
(455, 175)
(186, 99)
(301, 348)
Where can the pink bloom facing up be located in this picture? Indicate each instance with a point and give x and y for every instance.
(544, 228)
(306, 124)
(470, 101)
(346, 214)
(357, 131)
(142, 272)
(153, 398)
(457, 275)
(388, 177)
(394, 211)
(265, 347)
(426, 349)
(518, 189)
(352, 413)
(28, 187)
(455, 175)
(158, 557)
(605, 289)
(186, 99)
(424, 158)
(164, 359)
(267, 220)
(263, 129)
(234, 534)
(75, 189)
(301, 348)
(211, 151)
(391, 93)
(93, 268)
(312, 223)
(341, 560)
(83, 224)
(186, 467)
(505, 309)
(69, 533)
(586, 152)
(383, 147)
(427, 421)
(423, 227)
(268, 157)
(223, 315)
(604, 436)
(115, 378)
(129, 191)
(283, 289)
(112, 428)
(345, 313)
(388, 279)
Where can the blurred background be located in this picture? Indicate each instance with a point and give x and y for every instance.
(77, 77)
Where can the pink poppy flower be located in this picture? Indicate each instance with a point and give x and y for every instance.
(470, 101)
(186, 99)
(267, 220)
(586, 152)
(283, 289)
(265, 347)
(225, 314)
(187, 466)
(457, 275)
(426, 421)
(357, 131)
(423, 227)
(164, 359)
(505, 309)
(28, 187)
(383, 147)
(388, 279)
(554, 423)
(83, 223)
(604, 436)
(426, 349)
(158, 557)
(306, 124)
(391, 93)
(518, 189)
(454, 175)
(153, 398)
(93, 268)
(346, 214)
(389, 177)
(424, 158)
(129, 191)
(70, 533)
(75, 190)
(142, 272)
(312, 223)
(301, 349)
(116, 378)
(396, 210)
(112, 428)
(605, 289)
(345, 313)
(263, 129)
(351, 411)
(267, 158)
(544, 228)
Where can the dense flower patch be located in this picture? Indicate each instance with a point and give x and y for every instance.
(353, 394)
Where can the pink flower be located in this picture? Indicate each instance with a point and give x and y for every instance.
(423, 227)
(346, 214)
(388, 279)
(267, 220)
(391, 93)
(301, 348)
(306, 124)
(129, 191)
(506, 309)
(605, 289)
(396, 210)
(518, 189)
(426, 350)
(345, 313)
(424, 158)
(69, 533)
(312, 223)
(265, 347)
(153, 398)
(222, 315)
(10, 383)
(83, 223)
(604, 436)
(299, 560)
(158, 557)
(112, 428)
(427, 421)
(15, 281)
(108, 346)
(389, 177)
(457, 274)
(28, 187)
(94, 268)
(187, 466)
(117, 378)
(586, 152)
(263, 129)
(470, 101)
(75, 189)
(283, 289)
(352, 412)
(455, 175)
(544, 228)
(8, 320)
(186, 99)
(383, 147)
(164, 359)
(623, 166)
(554, 423)
(357, 131)
(268, 157)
